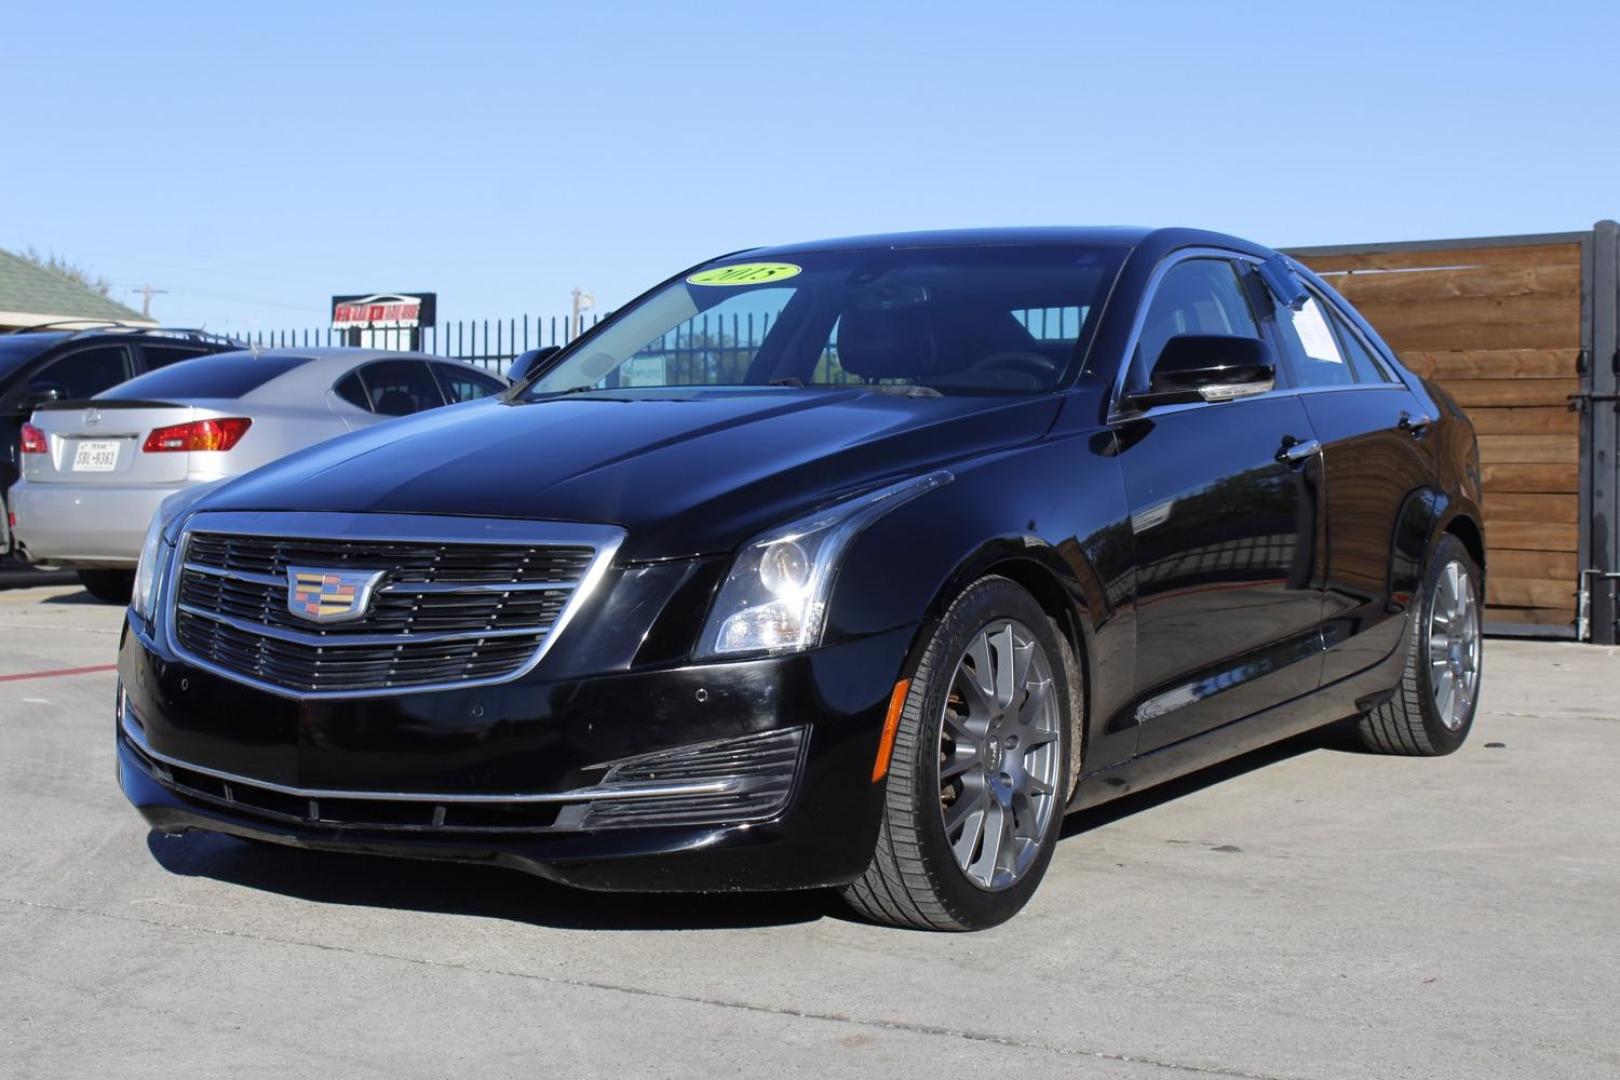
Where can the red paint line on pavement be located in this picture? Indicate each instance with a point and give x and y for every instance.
(61, 671)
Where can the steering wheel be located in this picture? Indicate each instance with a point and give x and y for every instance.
(1020, 360)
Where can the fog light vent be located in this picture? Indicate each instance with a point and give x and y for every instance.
(751, 779)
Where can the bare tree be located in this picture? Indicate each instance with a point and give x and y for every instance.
(56, 264)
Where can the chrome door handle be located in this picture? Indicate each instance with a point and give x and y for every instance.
(1294, 451)
(1415, 426)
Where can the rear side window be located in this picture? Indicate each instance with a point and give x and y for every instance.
(400, 387)
(158, 356)
(85, 373)
(1311, 348)
(462, 384)
(352, 390)
(226, 375)
(1367, 367)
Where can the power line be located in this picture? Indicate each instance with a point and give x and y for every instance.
(183, 291)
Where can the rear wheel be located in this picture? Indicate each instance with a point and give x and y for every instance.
(108, 586)
(980, 771)
(1433, 708)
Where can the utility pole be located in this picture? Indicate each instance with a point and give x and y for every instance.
(582, 301)
(147, 292)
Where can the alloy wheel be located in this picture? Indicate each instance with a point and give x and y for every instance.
(1000, 746)
(1454, 646)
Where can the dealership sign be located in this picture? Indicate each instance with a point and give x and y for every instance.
(383, 311)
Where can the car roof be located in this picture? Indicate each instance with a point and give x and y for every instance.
(57, 333)
(341, 357)
(292, 376)
(1046, 236)
(323, 366)
(335, 353)
(48, 336)
(1017, 236)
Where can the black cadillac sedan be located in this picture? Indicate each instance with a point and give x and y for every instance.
(855, 564)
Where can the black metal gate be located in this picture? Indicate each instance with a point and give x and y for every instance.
(1599, 406)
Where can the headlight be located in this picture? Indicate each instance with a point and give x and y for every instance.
(775, 598)
(159, 546)
(143, 598)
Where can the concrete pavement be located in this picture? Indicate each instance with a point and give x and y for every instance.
(1308, 911)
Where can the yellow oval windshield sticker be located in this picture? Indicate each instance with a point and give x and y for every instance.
(743, 274)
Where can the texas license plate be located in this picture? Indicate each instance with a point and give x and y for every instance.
(95, 455)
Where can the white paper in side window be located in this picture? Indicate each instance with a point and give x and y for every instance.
(1314, 334)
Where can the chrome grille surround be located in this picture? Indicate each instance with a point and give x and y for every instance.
(464, 601)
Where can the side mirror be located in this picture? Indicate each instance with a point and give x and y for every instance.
(1208, 367)
(40, 394)
(529, 362)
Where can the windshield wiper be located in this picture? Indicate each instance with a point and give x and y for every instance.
(563, 393)
(907, 390)
(789, 380)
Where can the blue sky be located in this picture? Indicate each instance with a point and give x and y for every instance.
(256, 159)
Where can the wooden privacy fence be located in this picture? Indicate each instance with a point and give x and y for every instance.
(1505, 325)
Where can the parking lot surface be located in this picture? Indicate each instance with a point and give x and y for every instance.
(1307, 911)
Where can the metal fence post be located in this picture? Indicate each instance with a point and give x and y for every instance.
(1603, 411)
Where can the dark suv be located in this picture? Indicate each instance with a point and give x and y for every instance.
(62, 361)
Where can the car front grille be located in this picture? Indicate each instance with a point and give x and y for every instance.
(442, 613)
(467, 563)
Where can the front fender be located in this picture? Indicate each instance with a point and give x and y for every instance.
(1051, 515)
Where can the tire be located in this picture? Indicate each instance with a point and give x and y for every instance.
(1416, 721)
(1018, 771)
(108, 586)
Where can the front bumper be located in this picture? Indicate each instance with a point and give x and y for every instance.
(522, 774)
(84, 524)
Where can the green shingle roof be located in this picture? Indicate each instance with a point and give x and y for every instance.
(26, 288)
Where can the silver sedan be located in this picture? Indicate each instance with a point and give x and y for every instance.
(94, 471)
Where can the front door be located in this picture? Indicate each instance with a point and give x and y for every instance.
(1224, 515)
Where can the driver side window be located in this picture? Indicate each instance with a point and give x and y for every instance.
(1197, 296)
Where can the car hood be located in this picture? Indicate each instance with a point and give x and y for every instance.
(687, 474)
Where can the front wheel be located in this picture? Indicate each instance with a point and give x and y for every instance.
(1432, 710)
(108, 586)
(981, 768)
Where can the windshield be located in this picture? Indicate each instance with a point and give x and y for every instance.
(966, 319)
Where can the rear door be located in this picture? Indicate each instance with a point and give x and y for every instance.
(1377, 461)
(1224, 504)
